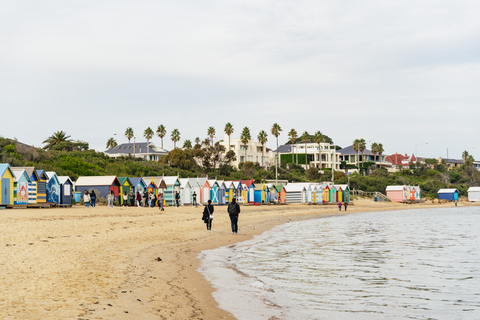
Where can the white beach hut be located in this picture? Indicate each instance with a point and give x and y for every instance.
(185, 191)
(473, 194)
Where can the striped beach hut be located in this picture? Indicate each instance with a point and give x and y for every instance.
(32, 185)
(448, 194)
(221, 192)
(185, 191)
(295, 193)
(343, 193)
(282, 194)
(101, 184)
(125, 186)
(42, 186)
(229, 191)
(214, 190)
(173, 185)
(205, 192)
(326, 193)
(53, 188)
(6, 184)
(248, 191)
(20, 186)
(66, 190)
(195, 187)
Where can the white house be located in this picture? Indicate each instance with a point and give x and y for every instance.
(253, 151)
(137, 150)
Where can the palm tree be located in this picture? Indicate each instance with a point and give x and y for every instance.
(197, 141)
(211, 133)
(465, 156)
(148, 134)
(55, 138)
(374, 149)
(306, 138)
(175, 137)
(318, 139)
(161, 132)
(245, 137)
(129, 134)
(111, 143)
(359, 146)
(292, 136)
(380, 151)
(276, 129)
(187, 145)
(262, 138)
(228, 131)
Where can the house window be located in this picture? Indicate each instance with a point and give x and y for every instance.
(243, 148)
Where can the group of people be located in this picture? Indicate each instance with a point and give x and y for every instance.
(233, 210)
(89, 198)
(345, 204)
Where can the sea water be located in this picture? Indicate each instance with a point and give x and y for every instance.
(413, 264)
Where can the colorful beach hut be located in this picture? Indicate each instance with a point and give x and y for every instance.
(42, 186)
(448, 194)
(185, 191)
(282, 194)
(195, 187)
(53, 188)
(138, 184)
(66, 190)
(20, 187)
(101, 184)
(214, 190)
(173, 186)
(32, 185)
(221, 192)
(125, 186)
(326, 193)
(6, 184)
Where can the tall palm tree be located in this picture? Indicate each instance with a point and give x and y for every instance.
(161, 132)
(55, 138)
(197, 141)
(276, 129)
(175, 137)
(245, 137)
(211, 133)
(262, 138)
(292, 136)
(374, 149)
(129, 134)
(187, 145)
(306, 138)
(318, 138)
(148, 134)
(359, 147)
(380, 151)
(228, 131)
(111, 143)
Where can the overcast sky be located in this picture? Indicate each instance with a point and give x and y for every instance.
(400, 73)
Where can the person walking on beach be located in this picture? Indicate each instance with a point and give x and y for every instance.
(208, 215)
(154, 200)
(131, 196)
(194, 196)
(86, 198)
(345, 204)
(145, 198)
(339, 206)
(160, 201)
(125, 199)
(93, 198)
(110, 199)
(233, 211)
(177, 199)
(139, 199)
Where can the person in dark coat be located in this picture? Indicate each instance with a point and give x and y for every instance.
(208, 215)
(233, 211)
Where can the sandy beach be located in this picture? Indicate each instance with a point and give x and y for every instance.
(128, 263)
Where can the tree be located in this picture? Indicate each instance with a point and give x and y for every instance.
(465, 156)
(359, 146)
(276, 129)
(374, 149)
(161, 132)
(187, 145)
(56, 138)
(305, 139)
(211, 133)
(111, 143)
(380, 152)
(292, 136)
(318, 138)
(128, 134)
(197, 141)
(228, 131)
(262, 138)
(148, 134)
(210, 157)
(175, 136)
(245, 137)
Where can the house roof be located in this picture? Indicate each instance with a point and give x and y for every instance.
(399, 159)
(140, 148)
(286, 148)
(349, 151)
(447, 190)
(96, 181)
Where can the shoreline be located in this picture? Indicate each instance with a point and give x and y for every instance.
(84, 263)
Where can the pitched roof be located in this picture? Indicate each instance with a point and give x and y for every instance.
(17, 173)
(473, 189)
(349, 151)
(447, 191)
(96, 181)
(30, 171)
(64, 179)
(140, 147)
(136, 181)
(185, 182)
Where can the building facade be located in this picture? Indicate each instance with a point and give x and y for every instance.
(253, 151)
(321, 156)
(142, 150)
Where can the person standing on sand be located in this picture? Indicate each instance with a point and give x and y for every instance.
(93, 198)
(132, 198)
(110, 199)
(160, 201)
(233, 211)
(177, 199)
(145, 198)
(340, 206)
(194, 196)
(125, 199)
(208, 215)
(139, 199)
(345, 204)
(86, 198)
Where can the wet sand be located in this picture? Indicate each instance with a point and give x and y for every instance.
(128, 263)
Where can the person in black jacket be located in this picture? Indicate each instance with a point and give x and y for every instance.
(208, 215)
(233, 211)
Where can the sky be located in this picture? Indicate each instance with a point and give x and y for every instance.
(402, 73)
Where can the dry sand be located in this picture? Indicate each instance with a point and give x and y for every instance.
(99, 263)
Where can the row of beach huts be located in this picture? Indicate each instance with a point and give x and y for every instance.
(25, 186)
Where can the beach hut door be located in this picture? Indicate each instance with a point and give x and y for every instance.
(5, 191)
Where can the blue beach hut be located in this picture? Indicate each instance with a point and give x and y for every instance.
(448, 194)
(6, 184)
(53, 188)
(66, 190)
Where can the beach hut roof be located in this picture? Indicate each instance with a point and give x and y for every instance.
(185, 182)
(124, 179)
(96, 181)
(170, 180)
(52, 175)
(64, 179)
(473, 189)
(447, 191)
(17, 173)
(395, 188)
(294, 187)
(137, 181)
(30, 171)
(211, 182)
